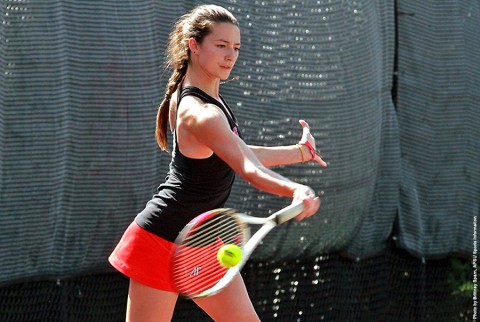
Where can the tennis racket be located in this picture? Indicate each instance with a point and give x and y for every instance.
(196, 271)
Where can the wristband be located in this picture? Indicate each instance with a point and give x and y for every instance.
(313, 152)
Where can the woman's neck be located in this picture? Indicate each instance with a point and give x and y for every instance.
(209, 86)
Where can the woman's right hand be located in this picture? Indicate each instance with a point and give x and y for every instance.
(311, 203)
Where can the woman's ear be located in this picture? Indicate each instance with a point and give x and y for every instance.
(193, 45)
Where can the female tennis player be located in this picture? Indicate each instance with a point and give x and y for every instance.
(207, 152)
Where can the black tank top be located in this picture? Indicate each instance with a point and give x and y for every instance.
(192, 186)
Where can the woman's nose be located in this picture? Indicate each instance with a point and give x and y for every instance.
(231, 54)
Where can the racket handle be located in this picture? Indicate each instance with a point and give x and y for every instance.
(287, 213)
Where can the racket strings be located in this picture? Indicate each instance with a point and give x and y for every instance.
(189, 288)
(195, 264)
(198, 277)
(224, 227)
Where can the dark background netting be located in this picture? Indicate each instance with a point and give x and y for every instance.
(390, 89)
(392, 287)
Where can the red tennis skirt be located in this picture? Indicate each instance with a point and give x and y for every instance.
(145, 258)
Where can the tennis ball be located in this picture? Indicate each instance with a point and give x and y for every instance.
(229, 255)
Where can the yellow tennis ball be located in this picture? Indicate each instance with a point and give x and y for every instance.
(229, 255)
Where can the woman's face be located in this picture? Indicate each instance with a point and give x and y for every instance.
(219, 51)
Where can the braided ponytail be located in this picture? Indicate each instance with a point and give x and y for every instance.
(177, 58)
(163, 110)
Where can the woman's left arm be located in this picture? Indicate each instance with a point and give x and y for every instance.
(304, 151)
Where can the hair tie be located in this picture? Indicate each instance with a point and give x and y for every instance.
(167, 96)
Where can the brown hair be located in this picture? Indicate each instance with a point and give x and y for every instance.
(196, 24)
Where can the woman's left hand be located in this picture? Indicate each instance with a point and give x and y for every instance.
(307, 137)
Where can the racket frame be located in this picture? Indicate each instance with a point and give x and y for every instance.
(251, 243)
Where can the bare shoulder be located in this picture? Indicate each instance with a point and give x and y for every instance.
(199, 125)
(193, 112)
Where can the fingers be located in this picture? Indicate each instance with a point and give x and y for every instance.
(320, 161)
(305, 128)
(311, 205)
(304, 124)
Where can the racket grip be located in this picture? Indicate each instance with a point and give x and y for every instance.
(288, 213)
